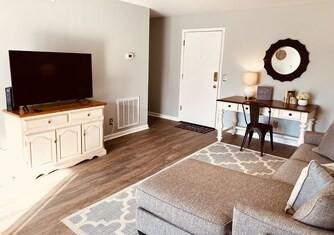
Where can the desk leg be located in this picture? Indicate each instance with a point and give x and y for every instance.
(220, 122)
(234, 122)
(303, 125)
(310, 124)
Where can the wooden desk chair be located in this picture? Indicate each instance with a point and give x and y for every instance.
(255, 126)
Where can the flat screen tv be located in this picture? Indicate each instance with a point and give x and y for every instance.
(44, 77)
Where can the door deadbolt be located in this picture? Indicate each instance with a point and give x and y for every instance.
(215, 76)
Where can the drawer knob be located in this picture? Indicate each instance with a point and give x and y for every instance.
(88, 115)
(290, 114)
(246, 108)
(229, 106)
(49, 121)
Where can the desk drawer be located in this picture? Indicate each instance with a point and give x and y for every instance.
(86, 115)
(246, 107)
(230, 107)
(274, 112)
(46, 123)
(291, 115)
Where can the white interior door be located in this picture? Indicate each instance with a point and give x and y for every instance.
(200, 78)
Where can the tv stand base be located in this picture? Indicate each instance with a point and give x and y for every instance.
(56, 137)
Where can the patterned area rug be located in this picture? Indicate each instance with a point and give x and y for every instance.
(195, 128)
(116, 214)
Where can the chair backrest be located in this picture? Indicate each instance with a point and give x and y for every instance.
(255, 111)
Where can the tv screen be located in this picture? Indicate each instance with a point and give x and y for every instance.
(43, 77)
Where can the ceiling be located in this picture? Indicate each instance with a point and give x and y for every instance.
(165, 8)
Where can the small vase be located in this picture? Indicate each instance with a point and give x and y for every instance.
(302, 102)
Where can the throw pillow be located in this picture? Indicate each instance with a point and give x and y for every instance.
(326, 147)
(319, 211)
(312, 179)
(329, 167)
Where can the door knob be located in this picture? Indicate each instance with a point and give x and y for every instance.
(214, 86)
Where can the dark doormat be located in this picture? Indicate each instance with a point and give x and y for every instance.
(195, 128)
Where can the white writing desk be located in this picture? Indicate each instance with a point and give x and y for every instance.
(306, 115)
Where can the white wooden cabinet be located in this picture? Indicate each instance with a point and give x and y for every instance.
(58, 139)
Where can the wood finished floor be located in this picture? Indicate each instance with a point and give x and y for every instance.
(129, 160)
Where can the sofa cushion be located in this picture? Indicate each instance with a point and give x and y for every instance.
(312, 179)
(290, 171)
(326, 147)
(148, 223)
(319, 211)
(199, 198)
(254, 221)
(305, 153)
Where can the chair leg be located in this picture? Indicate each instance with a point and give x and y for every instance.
(272, 140)
(244, 140)
(140, 233)
(250, 137)
(262, 138)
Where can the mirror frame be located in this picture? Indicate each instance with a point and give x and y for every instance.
(304, 55)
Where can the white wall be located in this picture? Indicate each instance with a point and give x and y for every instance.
(249, 33)
(106, 28)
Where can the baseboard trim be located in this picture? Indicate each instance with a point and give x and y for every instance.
(278, 138)
(163, 116)
(126, 132)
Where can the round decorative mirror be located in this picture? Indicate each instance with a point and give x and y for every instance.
(286, 60)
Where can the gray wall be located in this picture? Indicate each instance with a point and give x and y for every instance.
(249, 33)
(106, 28)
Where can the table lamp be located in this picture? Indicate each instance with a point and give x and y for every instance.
(250, 79)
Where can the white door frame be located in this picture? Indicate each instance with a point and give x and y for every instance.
(220, 79)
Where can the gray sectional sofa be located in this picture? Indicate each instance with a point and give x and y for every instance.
(194, 197)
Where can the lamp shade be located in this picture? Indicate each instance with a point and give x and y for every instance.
(250, 78)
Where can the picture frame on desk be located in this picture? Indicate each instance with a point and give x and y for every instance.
(265, 93)
(290, 97)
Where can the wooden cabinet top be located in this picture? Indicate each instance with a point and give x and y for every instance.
(275, 104)
(55, 108)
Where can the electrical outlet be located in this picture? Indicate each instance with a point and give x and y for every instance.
(111, 122)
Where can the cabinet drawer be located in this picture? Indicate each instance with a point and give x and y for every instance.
(46, 123)
(86, 115)
(230, 106)
(292, 115)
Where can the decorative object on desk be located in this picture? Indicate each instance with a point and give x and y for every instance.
(250, 79)
(293, 100)
(303, 98)
(264, 93)
(290, 97)
(286, 60)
